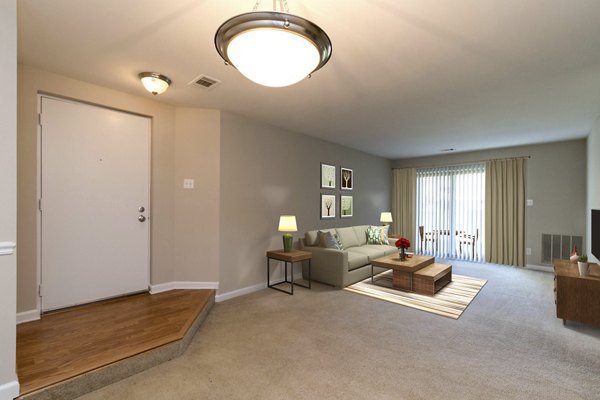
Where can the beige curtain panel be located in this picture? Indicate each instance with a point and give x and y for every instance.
(404, 202)
(505, 182)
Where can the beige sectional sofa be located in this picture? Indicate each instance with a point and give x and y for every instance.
(341, 268)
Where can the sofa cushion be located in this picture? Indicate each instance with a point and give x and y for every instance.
(330, 240)
(347, 237)
(382, 247)
(361, 234)
(370, 251)
(311, 238)
(356, 259)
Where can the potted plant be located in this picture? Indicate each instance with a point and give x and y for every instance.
(583, 265)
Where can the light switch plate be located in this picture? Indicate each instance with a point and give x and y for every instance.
(528, 251)
(188, 183)
(529, 202)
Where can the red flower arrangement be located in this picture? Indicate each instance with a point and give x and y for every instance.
(403, 243)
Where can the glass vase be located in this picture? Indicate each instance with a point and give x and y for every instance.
(402, 254)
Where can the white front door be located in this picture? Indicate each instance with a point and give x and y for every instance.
(95, 181)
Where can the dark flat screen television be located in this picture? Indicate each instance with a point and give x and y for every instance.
(596, 233)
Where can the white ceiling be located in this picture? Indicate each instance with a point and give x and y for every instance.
(407, 77)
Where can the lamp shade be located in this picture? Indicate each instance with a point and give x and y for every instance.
(154, 82)
(271, 48)
(386, 217)
(287, 223)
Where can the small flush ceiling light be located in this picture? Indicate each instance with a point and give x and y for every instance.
(154, 82)
(273, 48)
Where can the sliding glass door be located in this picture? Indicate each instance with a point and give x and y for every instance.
(450, 211)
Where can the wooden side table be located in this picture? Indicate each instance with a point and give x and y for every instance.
(287, 257)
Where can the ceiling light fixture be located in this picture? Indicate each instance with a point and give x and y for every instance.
(273, 48)
(154, 82)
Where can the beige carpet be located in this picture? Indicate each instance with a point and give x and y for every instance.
(450, 301)
(332, 344)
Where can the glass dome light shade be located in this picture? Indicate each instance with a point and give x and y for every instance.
(273, 57)
(272, 48)
(154, 83)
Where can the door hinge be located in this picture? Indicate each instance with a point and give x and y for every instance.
(40, 119)
(40, 290)
(40, 204)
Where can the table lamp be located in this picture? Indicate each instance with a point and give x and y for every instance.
(287, 223)
(386, 218)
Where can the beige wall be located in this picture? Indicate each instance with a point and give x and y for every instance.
(593, 181)
(267, 172)
(240, 186)
(197, 142)
(8, 197)
(556, 182)
(185, 144)
(31, 81)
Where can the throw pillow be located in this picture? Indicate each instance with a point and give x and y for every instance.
(384, 234)
(374, 235)
(340, 246)
(329, 240)
(377, 234)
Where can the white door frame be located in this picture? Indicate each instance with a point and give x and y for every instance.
(39, 185)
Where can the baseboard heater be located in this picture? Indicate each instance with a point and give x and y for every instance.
(559, 246)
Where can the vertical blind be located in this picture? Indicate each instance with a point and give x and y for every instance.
(451, 211)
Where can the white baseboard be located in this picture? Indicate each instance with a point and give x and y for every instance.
(543, 268)
(247, 290)
(28, 316)
(164, 287)
(240, 292)
(9, 390)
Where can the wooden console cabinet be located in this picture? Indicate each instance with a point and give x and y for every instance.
(577, 297)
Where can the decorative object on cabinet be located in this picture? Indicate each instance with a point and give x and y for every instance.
(582, 265)
(574, 257)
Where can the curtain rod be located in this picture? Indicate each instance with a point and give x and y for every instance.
(466, 162)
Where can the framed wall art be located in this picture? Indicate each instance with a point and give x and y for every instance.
(346, 206)
(327, 206)
(346, 179)
(327, 176)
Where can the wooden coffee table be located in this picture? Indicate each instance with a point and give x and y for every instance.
(403, 271)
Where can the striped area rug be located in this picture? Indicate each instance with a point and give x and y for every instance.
(450, 301)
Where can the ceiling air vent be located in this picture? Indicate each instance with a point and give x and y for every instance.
(205, 82)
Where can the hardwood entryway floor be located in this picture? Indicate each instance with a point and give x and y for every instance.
(65, 344)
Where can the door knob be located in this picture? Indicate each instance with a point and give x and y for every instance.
(141, 218)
